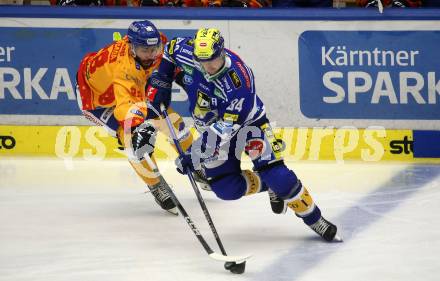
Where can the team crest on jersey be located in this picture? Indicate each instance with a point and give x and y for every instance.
(235, 78)
(190, 43)
(187, 80)
(203, 105)
(255, 148)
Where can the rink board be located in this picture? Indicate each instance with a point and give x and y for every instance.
(321, 67)
(325, 143)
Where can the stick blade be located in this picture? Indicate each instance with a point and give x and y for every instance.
(237, 259)
(173, 211)
(338, 238)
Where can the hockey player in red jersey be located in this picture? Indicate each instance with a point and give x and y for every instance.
(111, 92)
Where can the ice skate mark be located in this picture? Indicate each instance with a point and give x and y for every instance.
(310, 253)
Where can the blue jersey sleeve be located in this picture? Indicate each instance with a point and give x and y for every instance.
(177, 53)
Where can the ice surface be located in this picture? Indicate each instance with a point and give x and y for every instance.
(91, 220)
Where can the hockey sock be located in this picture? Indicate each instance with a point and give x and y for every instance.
(145, 172)
(253, 182)
(304, 206)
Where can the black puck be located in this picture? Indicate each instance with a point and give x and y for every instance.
(229, 264)
(236, 268)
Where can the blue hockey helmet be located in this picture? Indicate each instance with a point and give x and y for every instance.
(208, 44)
(143, 33)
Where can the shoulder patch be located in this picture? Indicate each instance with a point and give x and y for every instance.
(171, 46)
(235, 78)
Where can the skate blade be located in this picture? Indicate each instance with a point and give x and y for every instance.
(173, 211)
(285, 209)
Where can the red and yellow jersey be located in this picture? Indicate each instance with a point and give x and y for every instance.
(112, 77)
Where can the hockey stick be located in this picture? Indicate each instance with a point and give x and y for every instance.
(199, 196)
(189, 221)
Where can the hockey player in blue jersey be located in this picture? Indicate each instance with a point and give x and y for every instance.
(231, 118)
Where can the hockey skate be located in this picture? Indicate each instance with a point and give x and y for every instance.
(277, 204)
(162, 197)
(326, 230)
(200, 178)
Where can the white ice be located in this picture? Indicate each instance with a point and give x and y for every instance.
(92, 221)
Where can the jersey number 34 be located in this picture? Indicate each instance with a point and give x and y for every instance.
(236, 104)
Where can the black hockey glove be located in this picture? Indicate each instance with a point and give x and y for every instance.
(143, 139)
(158, 92)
